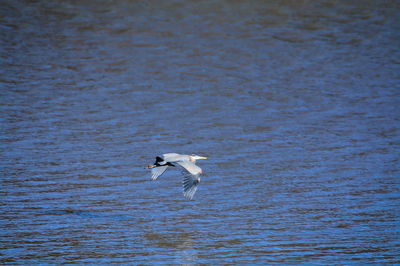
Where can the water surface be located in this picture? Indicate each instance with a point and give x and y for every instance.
(295, 103)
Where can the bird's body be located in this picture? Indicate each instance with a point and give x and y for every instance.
(191, 177)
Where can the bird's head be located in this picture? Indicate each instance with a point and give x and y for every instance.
(194, 157)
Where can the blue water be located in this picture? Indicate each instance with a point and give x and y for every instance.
(296, 104)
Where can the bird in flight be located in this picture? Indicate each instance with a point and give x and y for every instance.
(191, 176)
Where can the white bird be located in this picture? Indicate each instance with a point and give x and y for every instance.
(191, 177)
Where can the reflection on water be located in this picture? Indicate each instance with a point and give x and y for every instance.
(295, 104)
(180, 245)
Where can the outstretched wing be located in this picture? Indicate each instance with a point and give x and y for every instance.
(190, 167)
(157, 171)
(190, 183)
(191, 178)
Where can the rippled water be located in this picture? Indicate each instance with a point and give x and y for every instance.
(296, 104)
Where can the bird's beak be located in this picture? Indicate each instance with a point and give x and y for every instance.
(204, 158)
(149, 166)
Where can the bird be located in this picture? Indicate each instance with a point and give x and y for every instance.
(191, 172)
